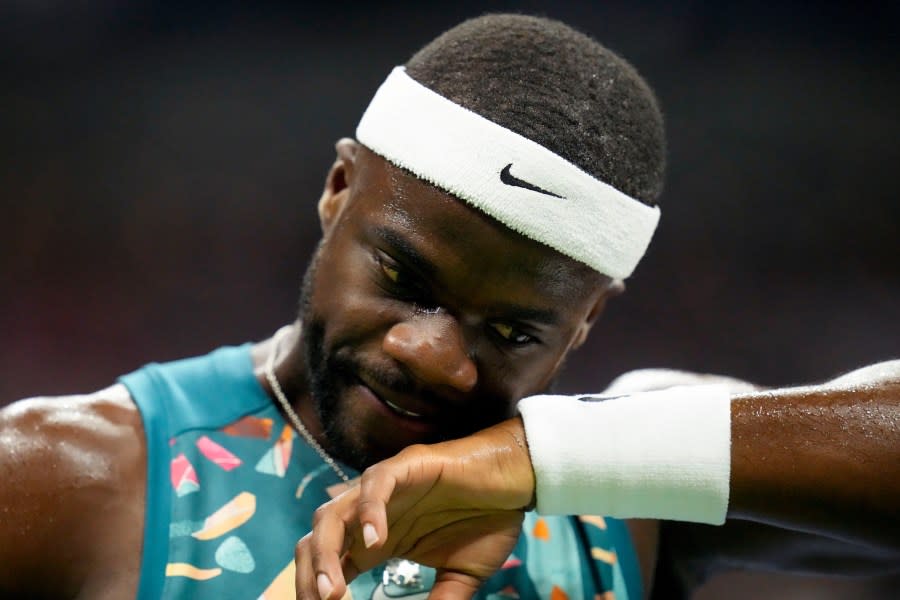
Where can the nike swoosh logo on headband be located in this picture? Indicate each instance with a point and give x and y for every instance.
(510, 179)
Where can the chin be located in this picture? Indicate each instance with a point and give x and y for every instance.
(353, 437)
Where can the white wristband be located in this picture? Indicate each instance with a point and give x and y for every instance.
(663, 454)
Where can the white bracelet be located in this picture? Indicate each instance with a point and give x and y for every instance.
(663, 454)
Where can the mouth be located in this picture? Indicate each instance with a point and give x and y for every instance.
(404, 407)
(401, 411)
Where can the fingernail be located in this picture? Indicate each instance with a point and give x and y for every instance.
(370, 536)
(324, 585)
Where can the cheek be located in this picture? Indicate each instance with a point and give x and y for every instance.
(552, 368)
(534, 375)
(347, 300)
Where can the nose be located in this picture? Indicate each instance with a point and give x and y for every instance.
(431, 345)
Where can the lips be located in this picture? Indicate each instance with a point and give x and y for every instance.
(401, 405)
(401, 411)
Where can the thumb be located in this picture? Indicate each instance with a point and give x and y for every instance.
(451, 585)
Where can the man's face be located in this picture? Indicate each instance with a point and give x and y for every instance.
(424, 319)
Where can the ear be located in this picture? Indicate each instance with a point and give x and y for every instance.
(614, 288)
(337, 183)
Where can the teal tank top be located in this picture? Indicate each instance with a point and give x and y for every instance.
(231, 488)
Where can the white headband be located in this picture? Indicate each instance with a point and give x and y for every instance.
(511, 178)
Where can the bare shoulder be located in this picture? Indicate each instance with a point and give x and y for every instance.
(111, 406)
(73, 472)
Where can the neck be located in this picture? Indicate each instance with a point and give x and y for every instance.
(289, 369)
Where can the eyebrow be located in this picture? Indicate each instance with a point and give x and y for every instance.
(543, 316)
(401, 245)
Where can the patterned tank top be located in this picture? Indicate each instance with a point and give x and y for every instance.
(231, 487)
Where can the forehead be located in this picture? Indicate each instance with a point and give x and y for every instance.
(458, 238)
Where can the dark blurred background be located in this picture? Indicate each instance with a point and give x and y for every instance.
(160, 164)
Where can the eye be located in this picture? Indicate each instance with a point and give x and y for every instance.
(511, 334)
(399, 281)
(390, 271)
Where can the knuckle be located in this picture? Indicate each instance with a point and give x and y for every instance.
(417, 451)
(303, 545)
(373, 471)
(320, 515)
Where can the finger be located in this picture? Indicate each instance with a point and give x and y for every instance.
(450, 585)
(308, 585)
(326, 542)
(376, 487)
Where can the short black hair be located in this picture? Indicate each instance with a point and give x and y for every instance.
(556, 86)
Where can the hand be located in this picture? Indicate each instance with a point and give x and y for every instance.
(456, 506)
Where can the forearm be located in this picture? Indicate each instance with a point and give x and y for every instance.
(821, 459)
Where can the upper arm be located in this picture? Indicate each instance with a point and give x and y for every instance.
(71, 468)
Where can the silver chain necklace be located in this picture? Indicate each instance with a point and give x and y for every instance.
(403, 573)
(293, 416)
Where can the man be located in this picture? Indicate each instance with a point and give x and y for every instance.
(425, 316)
(771, 466)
